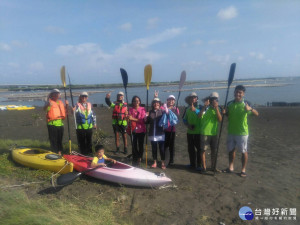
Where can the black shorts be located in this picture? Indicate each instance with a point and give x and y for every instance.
(119, 128)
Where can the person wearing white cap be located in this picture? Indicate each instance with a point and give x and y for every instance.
(85, 122)
(210, 115)
(156, 133)
(119, 116)
(56, 113)
(192, 121)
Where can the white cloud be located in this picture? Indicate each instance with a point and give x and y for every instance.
(36, 66)
(198, 42)
(257, 55)
(126, 27)
(269, 61)
(240, 58)
(214, 42)
(228, 13)
(13, 65)
(192, 65)
(90, 57)
(18, 44)
(4, 47)
(55, 30)
(222, 59)
(152, 23)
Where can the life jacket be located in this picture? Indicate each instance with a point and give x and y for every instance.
(84, 115)
(119, 111)
(102, 160)
(57, 111)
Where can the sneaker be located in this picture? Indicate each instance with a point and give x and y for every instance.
(125, 150)
(117, 151)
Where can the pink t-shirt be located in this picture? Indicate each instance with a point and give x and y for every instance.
(139, 114)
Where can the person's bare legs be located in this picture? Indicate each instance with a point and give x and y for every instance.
(244, 161)
(203, 159)
(124, 139)
(231, 159)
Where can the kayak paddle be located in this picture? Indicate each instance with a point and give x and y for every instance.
(125, 82)
(69, 178)
(147, 76)
(70, 88)
(230, 79)
(63, 79)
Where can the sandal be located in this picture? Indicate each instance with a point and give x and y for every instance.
(163, 166)
(227, 171)
(243, 174)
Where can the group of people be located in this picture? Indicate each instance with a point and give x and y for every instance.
(202, 122)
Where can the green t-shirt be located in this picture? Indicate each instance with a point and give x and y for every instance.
(115, 121)
(237, 118)
(209, 122)
(191, 118)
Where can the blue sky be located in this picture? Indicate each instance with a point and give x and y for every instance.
(93, 39)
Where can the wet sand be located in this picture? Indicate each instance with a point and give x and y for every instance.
(273, 171)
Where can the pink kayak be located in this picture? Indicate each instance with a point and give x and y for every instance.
(120, 173)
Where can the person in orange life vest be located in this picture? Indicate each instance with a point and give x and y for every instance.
(119, 117)
(85, 122)
(100, 158)
(56, 113)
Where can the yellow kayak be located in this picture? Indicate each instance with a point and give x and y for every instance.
(20, 107)
(41, 159)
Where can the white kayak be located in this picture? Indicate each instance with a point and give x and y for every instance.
(120, 173)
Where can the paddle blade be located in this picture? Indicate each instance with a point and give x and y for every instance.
(63, 75)
(67, 178)
(182, 79)
(124, 77)
(231, 73)
(148, 75)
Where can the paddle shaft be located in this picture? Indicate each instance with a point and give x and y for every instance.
(71, 94)
(68, 121)
(146, 147)
(220, 134)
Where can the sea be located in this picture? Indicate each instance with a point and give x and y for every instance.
(258, 92)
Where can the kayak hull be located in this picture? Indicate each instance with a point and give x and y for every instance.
(41, 159)
(120, 173)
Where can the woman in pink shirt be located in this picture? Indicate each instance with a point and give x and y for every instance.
(136, 116)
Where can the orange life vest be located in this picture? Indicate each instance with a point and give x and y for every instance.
(57, 111)
(119, 111)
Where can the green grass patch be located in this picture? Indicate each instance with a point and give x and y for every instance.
(17, 208)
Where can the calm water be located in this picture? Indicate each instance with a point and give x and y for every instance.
(256, 95)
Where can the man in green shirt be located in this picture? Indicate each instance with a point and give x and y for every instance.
(192, 121)
(237, 112)
(210, 117)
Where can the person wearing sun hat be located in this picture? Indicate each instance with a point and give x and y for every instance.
(85, 122)
(210, 115)
(119, 119)
(192, 121)
(156, 133)
(56, 113)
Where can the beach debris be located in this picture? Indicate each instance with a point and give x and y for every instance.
(172, 186)
(221, 223)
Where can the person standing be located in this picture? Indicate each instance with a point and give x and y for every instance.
(137, 116)
(119, 119)
(85, 122)
(156, 133)
(237, 112)
(192, 121)
(210, 115)
(56, 113)
(170, 132)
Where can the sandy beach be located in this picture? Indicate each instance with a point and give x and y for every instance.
(273, 171)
